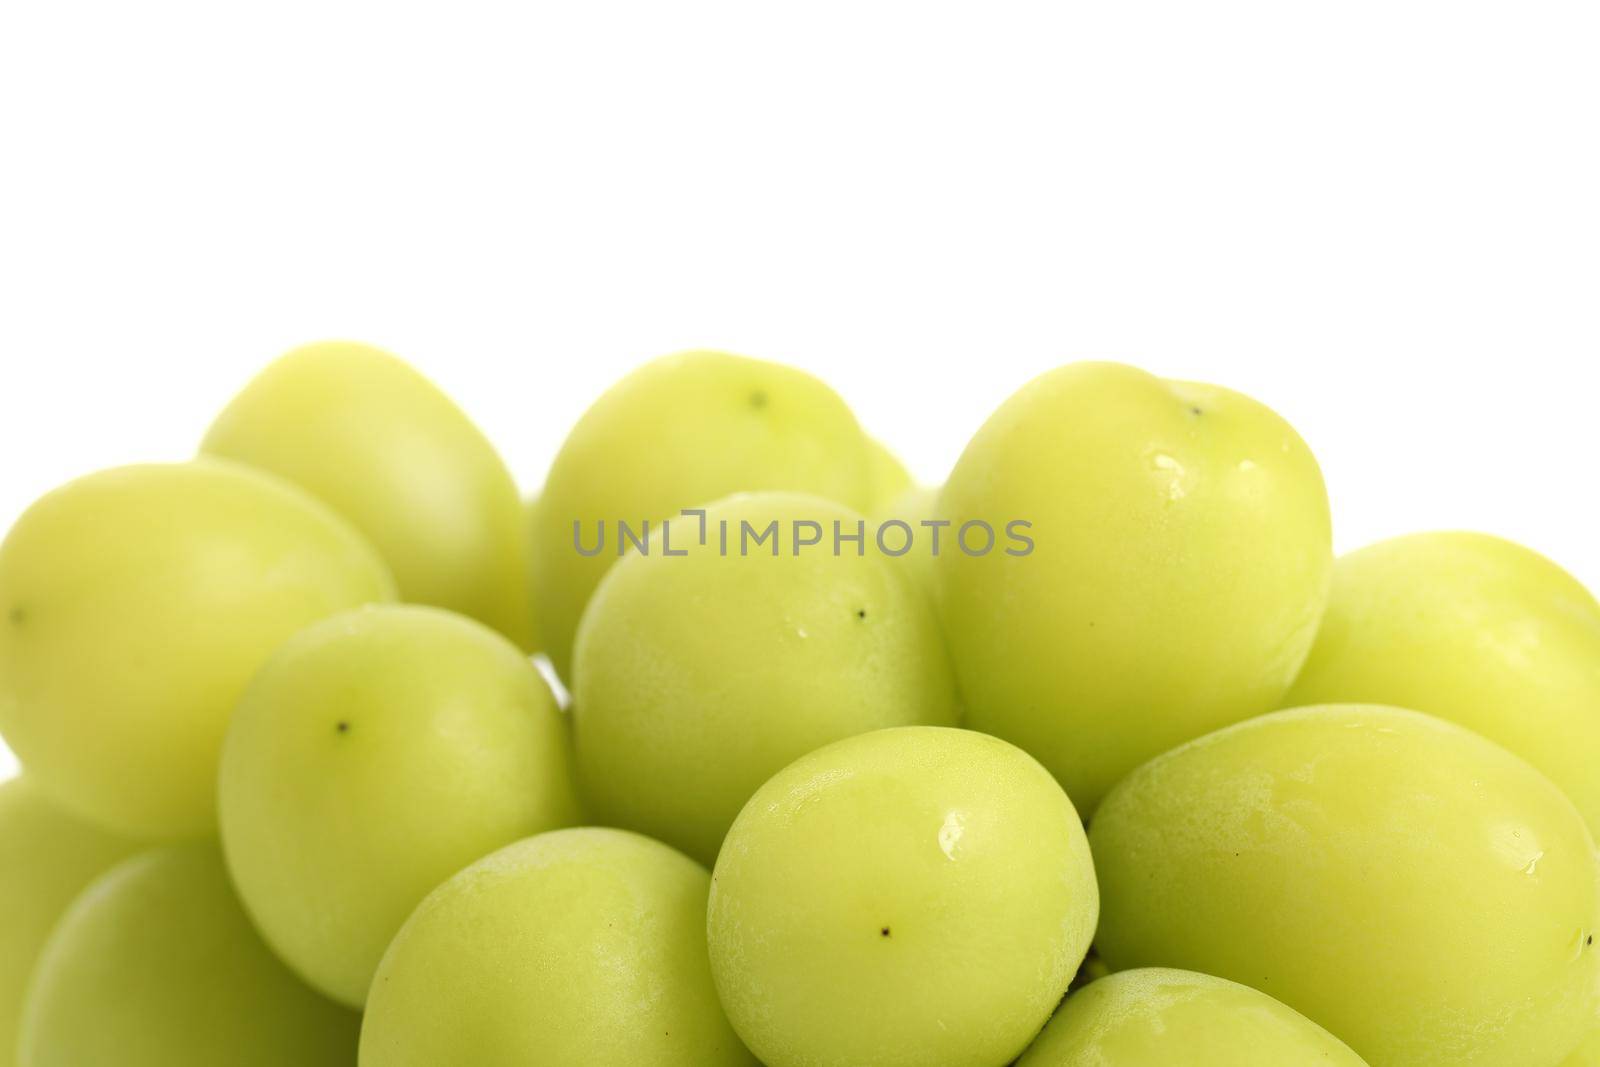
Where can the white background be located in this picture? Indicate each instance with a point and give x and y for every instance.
(1383, 219)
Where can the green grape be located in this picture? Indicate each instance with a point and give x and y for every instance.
(135, 604)
(576, 947)
(1419, 891)
(887, 477)
(913, 897)
(47, 856)
(698, 677)
(916, 506)
(375, 755)
(677, 433)
(1155, 1017)
(156, 965)
(381, 445)
(1181, 557)
(1472, 629)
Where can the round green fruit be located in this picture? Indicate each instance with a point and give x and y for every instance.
(1156, 1017)
(887, 477)
(47, 857)
(135, 605)
(375, 755)
(913, 897)
(1476, 630)
(698, 677)
(381, 445)
(1422, 893)
(569, 949)
(156, 965)
(1180, 562)
(677, 433)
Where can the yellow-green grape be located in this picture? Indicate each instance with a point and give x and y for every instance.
(156, 965)
(1476, 630)
(1422, 893)
(699, 677)
(1180, 557)
(47, 856)
(135, 605)
(575, 947)
(375, 755)
(1156, 1017)
(887, 476)
(680, 432)
(902, 524)
(381, 445)
(913, 897)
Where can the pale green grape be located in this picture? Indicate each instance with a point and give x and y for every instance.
(1587, 1054)
(530, 519)
(1472, 629)
(375, 755)
(156, 965)
(1422, 893)
(680, 432)
(381, 445)
(1180, 563)
(135, 604)
(574, 948)
(699, 677)
(1156, 1017)
(47, 856)
(887, 476)
(913, 897)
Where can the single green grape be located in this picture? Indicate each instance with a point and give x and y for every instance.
(375, 755)
(1422, 893)
(156, 965)
(570, 949)
(135, 605)
(1476, 630)
(887, 476)
(912, 897)
(698, 677)
(380, 444)
(47, 856)
(1180, 562)
(677, 433)
(1157, 1017)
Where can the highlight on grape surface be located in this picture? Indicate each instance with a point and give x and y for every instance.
(734, 745)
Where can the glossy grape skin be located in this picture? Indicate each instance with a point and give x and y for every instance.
(1157, 1017)
(1476, 630)
(573, 948)
(680, 432)
(887, 476)
(156, 965)
(1587, 1054)
(375, 755)
(47, 857)
(915, 896)
(135, 604)
(699, 677)
(1423, 894)
(1180, 563)
(384, 447)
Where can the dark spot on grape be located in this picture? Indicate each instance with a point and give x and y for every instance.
(1196, 411)
(1589, 940)
(342, 726)
(758, 399)
(18, 615)
(861, 613)
(884, 932)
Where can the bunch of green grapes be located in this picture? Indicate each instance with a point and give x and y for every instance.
(296, 794)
